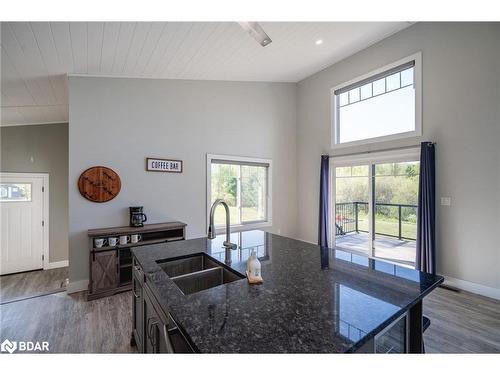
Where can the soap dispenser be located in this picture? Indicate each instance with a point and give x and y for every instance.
(253, 269)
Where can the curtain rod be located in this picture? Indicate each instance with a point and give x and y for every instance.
(372, 151)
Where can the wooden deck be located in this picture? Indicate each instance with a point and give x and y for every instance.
(389, 248)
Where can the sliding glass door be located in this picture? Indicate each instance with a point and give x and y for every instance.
(352, 192)
(375, 205)
(395, 210)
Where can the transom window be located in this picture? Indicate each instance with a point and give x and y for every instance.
(244, 184)
(381, 105)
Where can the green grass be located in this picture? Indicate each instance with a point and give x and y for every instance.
(389, 226)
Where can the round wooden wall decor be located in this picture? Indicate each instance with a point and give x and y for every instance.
(99, 184)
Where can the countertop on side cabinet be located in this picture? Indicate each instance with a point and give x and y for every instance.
(313, 300)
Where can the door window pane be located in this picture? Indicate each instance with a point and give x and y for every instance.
(15, 192)
(351, 207)
(396, 194)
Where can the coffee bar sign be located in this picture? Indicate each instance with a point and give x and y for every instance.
(163, 165)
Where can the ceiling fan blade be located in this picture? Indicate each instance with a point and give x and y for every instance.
(257, 32)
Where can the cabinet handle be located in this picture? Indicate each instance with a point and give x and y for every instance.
(153, 336)
(149, 326)
(170, 347)
(134, 283)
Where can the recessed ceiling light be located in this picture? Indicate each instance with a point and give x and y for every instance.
(319, 41)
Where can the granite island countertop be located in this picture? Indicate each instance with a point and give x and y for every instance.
(313, 300)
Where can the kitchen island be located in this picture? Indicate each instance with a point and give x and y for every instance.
(313, 299)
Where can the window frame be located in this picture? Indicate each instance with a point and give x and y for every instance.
(417, 81)
(241, 160)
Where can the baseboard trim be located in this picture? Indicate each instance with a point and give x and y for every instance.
(77, 286)
(60, 264)
(483, 290)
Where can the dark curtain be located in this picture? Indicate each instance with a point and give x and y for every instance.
(323, 202)
(426, 218)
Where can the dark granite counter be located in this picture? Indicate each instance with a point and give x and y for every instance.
(313, 300)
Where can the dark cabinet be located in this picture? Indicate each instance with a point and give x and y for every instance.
(156, 333)
(105, 270)
(151, 329)
(137, 307)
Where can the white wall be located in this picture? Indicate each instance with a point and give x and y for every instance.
(461, 100)
(119, 122)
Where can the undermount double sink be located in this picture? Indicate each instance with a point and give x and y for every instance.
(197, 272)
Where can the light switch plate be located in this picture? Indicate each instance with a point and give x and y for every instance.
(445, 201)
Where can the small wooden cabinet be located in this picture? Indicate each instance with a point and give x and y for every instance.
(111, 266)
(105, 270)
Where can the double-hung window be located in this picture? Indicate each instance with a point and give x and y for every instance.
(245, 185)
(382, 105)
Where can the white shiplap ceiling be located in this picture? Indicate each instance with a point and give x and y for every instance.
(37, 56)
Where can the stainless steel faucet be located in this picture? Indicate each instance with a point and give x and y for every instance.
(211, 227)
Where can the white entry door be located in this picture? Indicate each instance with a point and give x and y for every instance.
(22, 222)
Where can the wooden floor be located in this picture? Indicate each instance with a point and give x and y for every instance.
(460, 323)
(33, 283)
(70, 323)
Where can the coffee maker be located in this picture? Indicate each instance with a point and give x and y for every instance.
(137, 217)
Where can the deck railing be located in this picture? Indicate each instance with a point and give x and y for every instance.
(347, 217)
